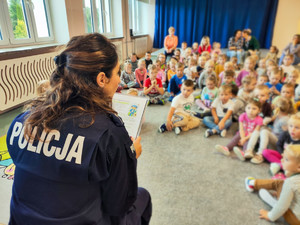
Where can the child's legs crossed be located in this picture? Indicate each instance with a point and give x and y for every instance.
(269, 184)
(193, 122)
(210, 122)
(180, 119)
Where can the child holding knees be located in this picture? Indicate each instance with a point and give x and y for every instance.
(221, 110)
(153, 87)
(208, 95)
(290, 137)
(287, 193)
(262, 79)
(267, 137)
(141, 73)
(176, 81)
(127, 77)
(208, 71)
(180, 117)
(249, 121)
(247, 71)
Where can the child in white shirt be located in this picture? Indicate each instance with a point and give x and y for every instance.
(180, 117)
(222, 108)
(287, 191)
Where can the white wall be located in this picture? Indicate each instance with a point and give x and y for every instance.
(287, 22)
(59, 21)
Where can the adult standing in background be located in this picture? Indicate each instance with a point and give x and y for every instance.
(75, 162)
(170, 42)
(235, 46)
(292, 48)
(251, 44)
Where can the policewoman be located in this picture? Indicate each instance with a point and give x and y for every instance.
(75, 163)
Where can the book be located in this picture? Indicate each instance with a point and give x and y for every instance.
(131, 110)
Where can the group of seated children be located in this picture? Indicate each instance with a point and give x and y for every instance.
(262, 97)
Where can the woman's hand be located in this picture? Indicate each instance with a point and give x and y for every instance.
(263, 214)
(137, 145)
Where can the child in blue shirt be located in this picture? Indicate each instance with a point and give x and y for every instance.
(176, 81)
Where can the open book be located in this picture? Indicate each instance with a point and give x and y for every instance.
(131, 109)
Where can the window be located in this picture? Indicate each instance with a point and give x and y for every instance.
(97, 15)
(134, 22)
(24, 21)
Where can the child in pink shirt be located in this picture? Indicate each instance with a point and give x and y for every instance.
(160, 73)
(248, 123)
(247, 71)
(141, 72)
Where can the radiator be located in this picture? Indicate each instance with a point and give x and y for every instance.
(140, 45)
(19, 77)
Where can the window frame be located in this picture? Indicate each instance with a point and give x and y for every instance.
(135, 17)
(94, 19)
(33, 39)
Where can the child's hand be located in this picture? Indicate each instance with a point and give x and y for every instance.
(216, 120)
(141, 85)
(263, 214)
(243, 141)
(169, 125)
(221, 125)
(153, 82)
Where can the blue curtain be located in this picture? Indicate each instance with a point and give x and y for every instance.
(217, 19)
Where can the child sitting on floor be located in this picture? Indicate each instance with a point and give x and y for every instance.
(248, 122)
(287, 66)
(266, 136)
(220, 66)
(195, 47)
(179, 116)
(208, 95)
(290, 137)
(160, 73)
(247, 71)
(227, 67)
(287, 91)
(272, 54)
(287, 203)
(221, 110)
(191, 70)
(292, 78)
(228, 77)
(274, 83)
(134, 62)
(209, 70)
(153, 87)
(141, 73)
(176, 81)
(127, 77)
(216, 48)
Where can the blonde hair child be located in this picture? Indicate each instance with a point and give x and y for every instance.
(220, 65)
(247, 71)
(283, 109)
(209, 70)
(227, 66)
(289, 137)
(262, 68)
(262, 79)
(287, 193)
(204, 45)
(248, 85)
(272, 54)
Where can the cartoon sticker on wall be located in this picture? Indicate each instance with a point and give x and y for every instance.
(132, 111)
(5, 160)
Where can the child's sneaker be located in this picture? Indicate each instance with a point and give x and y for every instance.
(257, 159)
(222, 149)
(208, 133)
(274, 168)
(160, 102)
(267, 197)
(239, 153)
(249, 154)
(177, 130)
(249, 183)
(223, 133)
(162, 128)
